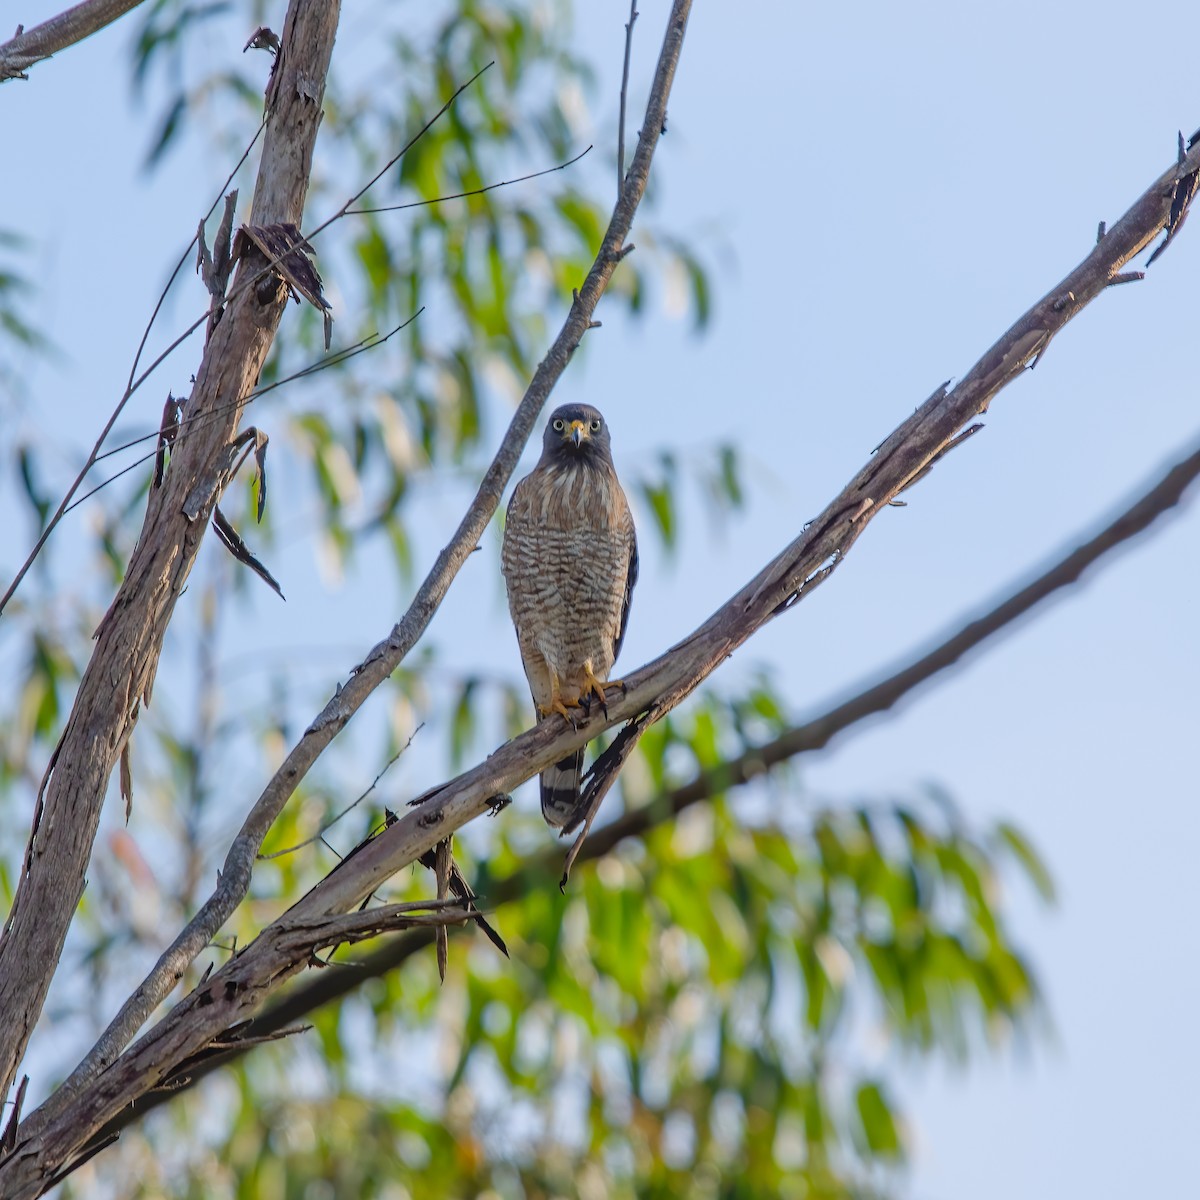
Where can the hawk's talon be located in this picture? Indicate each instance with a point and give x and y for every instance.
(594, 687)
(557, 705)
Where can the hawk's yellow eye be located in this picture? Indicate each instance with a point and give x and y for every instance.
(596, 425)
(559, 425)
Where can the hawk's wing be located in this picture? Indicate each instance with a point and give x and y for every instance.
(631, 577)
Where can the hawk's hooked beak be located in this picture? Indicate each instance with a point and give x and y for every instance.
(578, 431)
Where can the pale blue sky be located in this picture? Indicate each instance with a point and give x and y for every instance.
(895, 185)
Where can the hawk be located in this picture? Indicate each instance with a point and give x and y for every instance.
(570, 561)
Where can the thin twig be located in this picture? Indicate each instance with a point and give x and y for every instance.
(304, 933)
(633, 16)
(319, 835)
(479, 191)
(202, 419)
(137, 462)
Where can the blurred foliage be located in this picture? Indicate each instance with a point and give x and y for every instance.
(19, 337)
(716, 1010)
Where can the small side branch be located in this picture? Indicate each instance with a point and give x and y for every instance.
(28, 48)
(633, 16)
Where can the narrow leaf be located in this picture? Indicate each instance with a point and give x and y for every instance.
(260, 461)
(234, 544)
(1022, 849)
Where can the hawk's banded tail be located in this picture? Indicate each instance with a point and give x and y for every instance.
(560, 789)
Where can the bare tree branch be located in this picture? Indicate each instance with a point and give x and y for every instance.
(129, 639)
(387, 655)
(633, 16)
(236, 991)
(816, 734)
(28, 48)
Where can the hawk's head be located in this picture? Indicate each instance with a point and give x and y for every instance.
(576, 433)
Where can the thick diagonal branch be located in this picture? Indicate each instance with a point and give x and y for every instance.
(129, 640)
